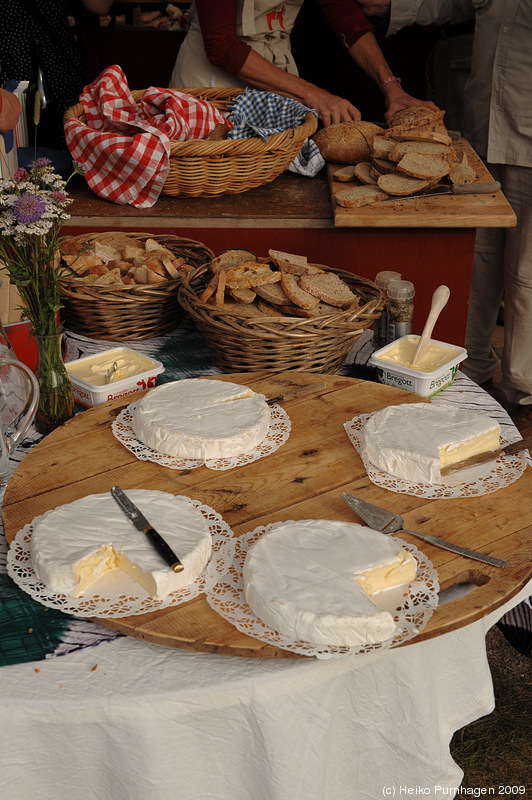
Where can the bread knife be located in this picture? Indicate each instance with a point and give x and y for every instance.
(482, 458)
(141, 523)
(456, 188)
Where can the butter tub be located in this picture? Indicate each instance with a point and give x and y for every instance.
(392, 362)
(88, 380)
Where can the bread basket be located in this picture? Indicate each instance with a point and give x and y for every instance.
(240, 343)
(203, 168)
(134, 312)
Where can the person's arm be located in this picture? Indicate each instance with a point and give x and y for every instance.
(223, 49)
(9, 110)
(368, 55)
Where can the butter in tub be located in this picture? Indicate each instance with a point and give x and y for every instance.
(435, 371)
(134, 372)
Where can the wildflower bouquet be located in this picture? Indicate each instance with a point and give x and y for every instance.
(32, 209)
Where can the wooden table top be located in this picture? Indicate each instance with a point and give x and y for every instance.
(301, 480)
(295, 201)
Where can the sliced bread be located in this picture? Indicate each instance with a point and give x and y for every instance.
(418, 165)
(463, 172)
(359, 196)
(330, 288)
(363, 173)
(345, 174)
(296, 293)
(382, 146)
(401, 185)
(425, 148)
(384, 166)
(272, 293)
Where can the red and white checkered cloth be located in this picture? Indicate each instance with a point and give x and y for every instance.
(125, 149)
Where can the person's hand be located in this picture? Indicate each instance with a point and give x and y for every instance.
(331, 109)
(9, 110)
(402, 100)
(375, 8)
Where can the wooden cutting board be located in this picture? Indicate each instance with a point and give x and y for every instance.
(301, 480)
(447, 211)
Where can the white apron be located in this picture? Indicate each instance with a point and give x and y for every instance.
(263, 26)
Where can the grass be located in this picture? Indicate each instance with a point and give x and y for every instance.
(496, 750)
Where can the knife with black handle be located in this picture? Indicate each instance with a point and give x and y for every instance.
(141, 523)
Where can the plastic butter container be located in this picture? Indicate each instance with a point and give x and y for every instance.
(135, 371)
(437, 369)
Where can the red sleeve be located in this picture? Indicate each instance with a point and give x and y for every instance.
(217, 19)
(347, 20)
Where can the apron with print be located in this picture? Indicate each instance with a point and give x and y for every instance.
(263, 26)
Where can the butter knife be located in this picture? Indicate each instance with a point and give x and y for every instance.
(491, 455)
(141, 523)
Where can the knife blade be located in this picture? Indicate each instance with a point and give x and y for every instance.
(482, 458)
(141, 523)
(456, 188)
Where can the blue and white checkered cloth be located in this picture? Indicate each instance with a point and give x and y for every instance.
(256, 113)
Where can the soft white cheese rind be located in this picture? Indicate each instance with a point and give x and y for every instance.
(414, 441)
(91, 535)
(301, 580)
(201, 419)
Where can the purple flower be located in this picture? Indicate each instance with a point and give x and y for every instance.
(21, 174)
(29, 208)
(60, 196)
(39, 163)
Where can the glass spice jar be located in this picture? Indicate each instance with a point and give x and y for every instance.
(400, 309)
(380, 326)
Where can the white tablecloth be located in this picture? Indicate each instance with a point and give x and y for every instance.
(138, 721)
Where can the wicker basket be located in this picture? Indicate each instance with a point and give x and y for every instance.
(202, 168)
(240, 343)
(133, 312)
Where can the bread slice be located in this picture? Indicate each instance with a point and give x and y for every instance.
(384, 166)
(363, 173)
(250, 275)
(230, 258)
(359, 196)
(345, 174)
(463, 172)
(279, 256)
(330, 288)
(382, 146)
(418, 165)
(400, 149)
(401, 185)
(272, 293)
(295, 293)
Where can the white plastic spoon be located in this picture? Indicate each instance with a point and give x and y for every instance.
(439, 299)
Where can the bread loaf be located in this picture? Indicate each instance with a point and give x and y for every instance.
(346, 142)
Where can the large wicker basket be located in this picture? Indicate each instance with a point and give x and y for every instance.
(130, 312)
(240, 343)
(203, 168)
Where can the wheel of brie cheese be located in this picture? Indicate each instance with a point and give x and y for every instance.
(315, 581)
(199, 418)
(414, 441)
(75, 544)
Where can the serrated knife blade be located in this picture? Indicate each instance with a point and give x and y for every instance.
(141, 524)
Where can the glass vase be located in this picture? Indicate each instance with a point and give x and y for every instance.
(56, 403)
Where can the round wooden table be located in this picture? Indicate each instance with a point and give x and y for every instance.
(303, 479)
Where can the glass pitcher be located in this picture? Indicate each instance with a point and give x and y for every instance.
(19, 398)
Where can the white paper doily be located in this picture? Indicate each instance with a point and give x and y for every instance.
(278, 433)
(411, 610)
(472, 482)
(117, 594)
